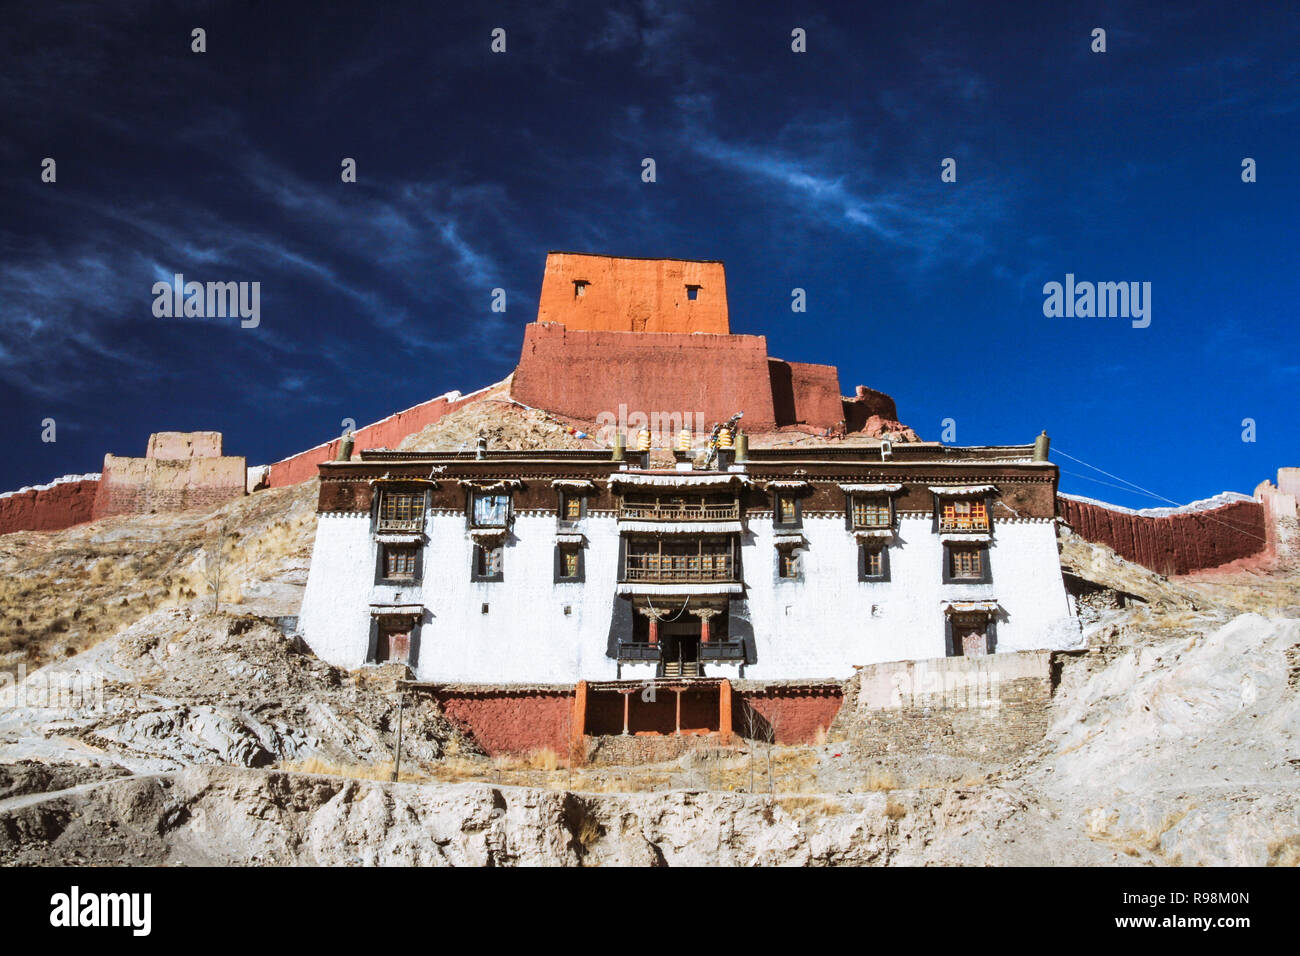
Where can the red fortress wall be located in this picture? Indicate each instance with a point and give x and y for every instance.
(1172, 544)
(654, 335)
(53, 507)
(385, 433)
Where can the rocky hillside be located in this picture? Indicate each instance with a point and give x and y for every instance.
(62, 592)
(180, 688)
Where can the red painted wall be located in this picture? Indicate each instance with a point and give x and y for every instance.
(798, 712)
(584, 374)
(1175, 544)
(386, 433)
(633, 295)
(507, 721)
(48, 509)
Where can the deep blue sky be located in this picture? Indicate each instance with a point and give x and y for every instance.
(819, 171)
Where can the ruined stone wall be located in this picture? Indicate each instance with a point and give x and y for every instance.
(586, 374)
(1176, 543)
(147, 485)
(61, 504)
(990, 708)
(867, 403)
(510, 720)
(633, 295)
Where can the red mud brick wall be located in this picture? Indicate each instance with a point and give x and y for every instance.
(633, 295)
(507, 721)
(51, 508)
(797, 712)
(803, 393)
(386, 433)
(584, 374)
(1175, 544)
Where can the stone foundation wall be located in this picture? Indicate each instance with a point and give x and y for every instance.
(990, 708)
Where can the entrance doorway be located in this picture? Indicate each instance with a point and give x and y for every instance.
(681, 648)
(394, 645)
(970, 635)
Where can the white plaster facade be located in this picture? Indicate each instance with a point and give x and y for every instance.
(528, 628)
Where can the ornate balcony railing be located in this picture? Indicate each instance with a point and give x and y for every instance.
(638, 651)
(964, 523)
(669, 511)
(671, 568)
(722, 651)
(413, 525)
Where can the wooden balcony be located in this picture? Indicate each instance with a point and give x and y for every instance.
(676, 568)
(959, 523)
(680, 511)
(637, 651)
(722, 651)
(408, 525)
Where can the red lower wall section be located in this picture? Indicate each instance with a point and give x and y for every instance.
(1174, 544)
(49, 508)
(510, 721)
(796, 714)
(585, 375)
(517, 720)
(386, 433)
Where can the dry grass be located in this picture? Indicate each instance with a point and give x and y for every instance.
(881, 780)
(372, 771)
(809, 806)
(65, 591)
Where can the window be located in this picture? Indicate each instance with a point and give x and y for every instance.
(569, 565)
(873, 561)
(871, 512)
(788, 563)
(490, 510)
(570, 507)
(964, 516)
(966, 563)
(692, 292)
(399, 563)
(786, 510)
(579, 288)
(401, 511)
(488, 561)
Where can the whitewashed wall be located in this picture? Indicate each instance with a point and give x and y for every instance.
(817, 627)
(828, 621)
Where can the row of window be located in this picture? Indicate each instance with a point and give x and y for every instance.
(876, 511)
(963, 564)
(696, 561)
(404, 511)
